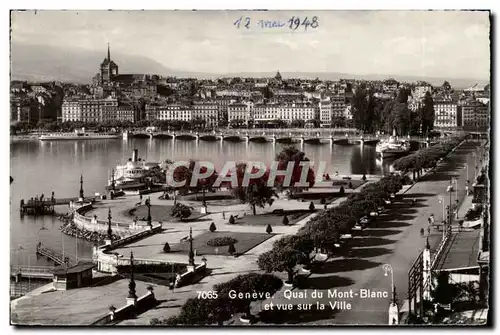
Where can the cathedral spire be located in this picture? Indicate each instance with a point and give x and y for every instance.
(109, 53)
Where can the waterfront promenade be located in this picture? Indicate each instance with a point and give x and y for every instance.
(395, 239)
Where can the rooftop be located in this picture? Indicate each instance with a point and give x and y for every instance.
(461, 251)
(61, 270)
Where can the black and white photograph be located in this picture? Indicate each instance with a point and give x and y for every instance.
(250, 168)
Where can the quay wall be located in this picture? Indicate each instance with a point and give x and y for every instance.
(92, 224)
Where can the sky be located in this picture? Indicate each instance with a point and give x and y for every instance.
(449, 44)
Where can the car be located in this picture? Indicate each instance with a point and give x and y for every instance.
(387, 202)
(358, 227)
(364, 220)
(345, 236)
(375, 213)
(380, 209)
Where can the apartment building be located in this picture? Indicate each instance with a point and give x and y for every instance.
(445, 114)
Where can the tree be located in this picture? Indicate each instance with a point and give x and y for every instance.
(203, 312)
(247, 285)
(427, 114)
(231, 219)
(212, 227)
(293, 155)
(181, 211)
(442, 294)
(285, 220)
(284, 256)
(231, 250)
(311, 206)
(166, 247)
(269, 229)
(186, 173)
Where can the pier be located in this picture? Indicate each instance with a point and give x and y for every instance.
(45, 206)
(56, 257)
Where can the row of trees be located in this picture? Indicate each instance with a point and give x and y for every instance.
(372, 113)
(321, 232)
(324, 230)
(425, 158)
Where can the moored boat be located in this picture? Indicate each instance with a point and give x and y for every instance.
(392, 147)
(78, 134)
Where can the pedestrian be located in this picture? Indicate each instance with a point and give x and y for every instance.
(140, 197)
(223, 215)
(429, 220)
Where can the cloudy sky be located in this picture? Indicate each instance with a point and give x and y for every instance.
(438, 44)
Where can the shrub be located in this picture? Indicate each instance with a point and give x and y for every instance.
(231, 219)
(285, 220)
(221, 241)
(311, 206)
(322, 201)
(231, 250)
(269, 230)
(166, 247)
(342, 191)
(181, 211)
(212, 227)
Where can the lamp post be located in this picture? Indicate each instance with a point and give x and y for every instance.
(393, 307)
(148, 204)
(441, 201)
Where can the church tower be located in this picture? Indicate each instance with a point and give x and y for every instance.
(109, 69)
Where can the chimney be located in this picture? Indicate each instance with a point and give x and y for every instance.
(134, 155)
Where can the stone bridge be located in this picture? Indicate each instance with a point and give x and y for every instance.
(275, 136)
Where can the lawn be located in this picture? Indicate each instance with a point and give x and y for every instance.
(159, 213)
(274, 218)
(245, 242)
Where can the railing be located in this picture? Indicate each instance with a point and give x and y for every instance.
(31, 269)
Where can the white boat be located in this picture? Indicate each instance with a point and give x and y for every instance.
(135, 174)
(78, 134)
(392, 147)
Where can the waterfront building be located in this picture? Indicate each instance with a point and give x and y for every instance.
(475, 116)
(71, 110)
(445, 114)
(338, 105)
(207, 111)
(239, 112)
(325, 113)
(174, 112)
(125, 112)
(287, 112)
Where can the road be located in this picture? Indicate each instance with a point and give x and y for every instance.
(395, 240)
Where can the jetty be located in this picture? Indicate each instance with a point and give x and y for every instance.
(45, 206)
(54, 256)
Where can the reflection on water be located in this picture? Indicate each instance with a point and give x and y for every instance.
(42, 167)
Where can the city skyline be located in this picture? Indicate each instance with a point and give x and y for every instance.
(451, 44)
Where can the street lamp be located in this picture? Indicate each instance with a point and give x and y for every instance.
(393, 307)
(441, 201)
(388, 268)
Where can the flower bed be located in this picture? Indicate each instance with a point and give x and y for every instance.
(221, 241)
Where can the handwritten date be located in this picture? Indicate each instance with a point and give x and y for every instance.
(293, 23)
